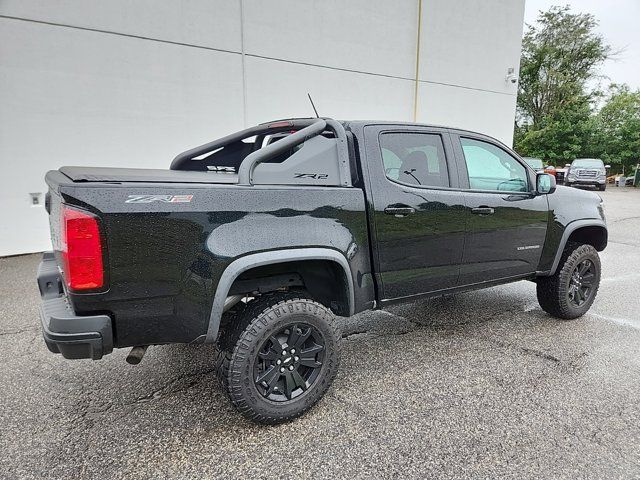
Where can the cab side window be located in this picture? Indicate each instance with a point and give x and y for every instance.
(491, 168)
(414, 159)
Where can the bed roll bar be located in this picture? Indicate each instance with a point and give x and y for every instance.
(311, 128)
(245, 172)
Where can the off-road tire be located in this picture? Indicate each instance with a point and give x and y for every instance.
(553, 291)
(248, 329)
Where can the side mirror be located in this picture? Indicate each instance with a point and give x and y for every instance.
(607, 167)
(567, 165)
(545, 183)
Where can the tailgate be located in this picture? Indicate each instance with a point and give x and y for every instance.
(52, 204)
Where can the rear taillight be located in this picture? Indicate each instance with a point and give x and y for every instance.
(81, 250)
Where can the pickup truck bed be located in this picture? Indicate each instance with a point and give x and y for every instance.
(165, 259)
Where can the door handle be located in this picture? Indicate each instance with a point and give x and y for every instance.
(483, 210)
(399, 211)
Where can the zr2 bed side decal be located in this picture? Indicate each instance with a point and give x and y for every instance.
(159, 198)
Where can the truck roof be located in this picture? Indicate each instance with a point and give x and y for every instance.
(363, 123)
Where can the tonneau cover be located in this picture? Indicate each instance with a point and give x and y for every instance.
(145, 175)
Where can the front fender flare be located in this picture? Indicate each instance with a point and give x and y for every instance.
(569, 229)
(253, 260)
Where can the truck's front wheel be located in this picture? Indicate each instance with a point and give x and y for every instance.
(570, 292)
(279, 357)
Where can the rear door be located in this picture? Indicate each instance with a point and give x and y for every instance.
(506, 221)
(417, 211)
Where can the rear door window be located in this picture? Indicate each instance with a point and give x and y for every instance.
(414, 159)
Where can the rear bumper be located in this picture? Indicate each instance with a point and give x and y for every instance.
(64, 332)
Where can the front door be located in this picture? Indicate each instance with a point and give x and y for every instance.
(506, 220)
(418, 213)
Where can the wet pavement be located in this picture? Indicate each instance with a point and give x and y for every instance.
(482, 384)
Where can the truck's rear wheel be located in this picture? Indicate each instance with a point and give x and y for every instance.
(279, 357)
(570, 292)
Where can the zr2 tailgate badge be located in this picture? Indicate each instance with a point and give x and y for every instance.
(159, 198)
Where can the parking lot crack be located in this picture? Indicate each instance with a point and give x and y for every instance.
(347, 336)
(540, 354)
(525, 350)
(18, 331)
(375, 334)
(190, 380)
(578, 361)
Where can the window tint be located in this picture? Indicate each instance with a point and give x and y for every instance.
(414, 158)
(491, 168)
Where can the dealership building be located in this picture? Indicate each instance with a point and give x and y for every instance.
(131, 84)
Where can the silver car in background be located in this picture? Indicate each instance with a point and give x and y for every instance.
(587, 172)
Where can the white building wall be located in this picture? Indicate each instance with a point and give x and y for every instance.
(466, 50)
(120, 83)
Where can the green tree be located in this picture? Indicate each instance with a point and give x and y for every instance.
(618, 125)
(561, 137)
(560, 56)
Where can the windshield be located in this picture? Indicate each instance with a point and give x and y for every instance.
(534, 163)
(588, 163)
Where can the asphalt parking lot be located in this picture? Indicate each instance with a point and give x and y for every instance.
(482, 384)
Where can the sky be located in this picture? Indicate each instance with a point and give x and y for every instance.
(619, 25)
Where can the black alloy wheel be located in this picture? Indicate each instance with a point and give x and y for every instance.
(572, 289)
(581, 283)
(278, 355)
(289, 362)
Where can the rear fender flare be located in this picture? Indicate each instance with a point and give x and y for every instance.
(253, 260)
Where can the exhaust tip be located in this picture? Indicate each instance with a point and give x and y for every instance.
(136, 354)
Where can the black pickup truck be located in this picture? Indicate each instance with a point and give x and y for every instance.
(259, 240)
